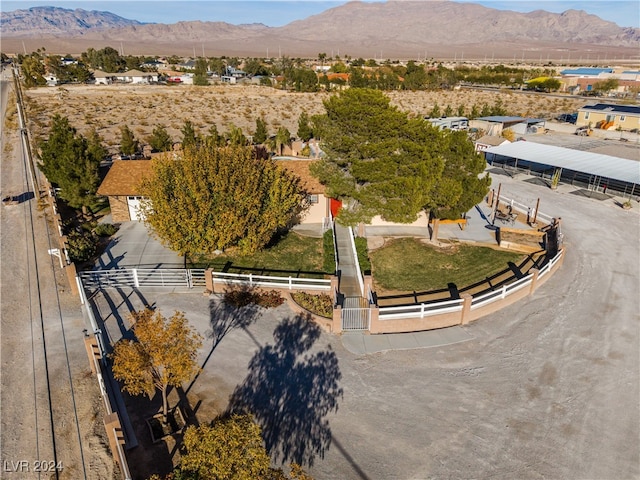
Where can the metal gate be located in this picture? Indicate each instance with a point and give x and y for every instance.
(355, 313)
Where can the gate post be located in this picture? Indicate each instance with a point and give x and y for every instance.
(534, 280)
(466, 308)
(374, 316)
(336, 325)
(208, 280)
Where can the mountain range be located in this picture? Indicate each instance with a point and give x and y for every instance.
(392, 29)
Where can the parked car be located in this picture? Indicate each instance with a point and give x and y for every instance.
(583, 131)
(567, 117)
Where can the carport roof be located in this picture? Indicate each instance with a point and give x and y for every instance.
(507, 119)
(592, 163)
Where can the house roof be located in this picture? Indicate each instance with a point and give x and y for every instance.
(586, 71)
(135, 73)
(491, 140)
(101, 74)
(300, 168)
(124, 178)
(342, 76)
(576, 160)
(506, 119)
(608, 107)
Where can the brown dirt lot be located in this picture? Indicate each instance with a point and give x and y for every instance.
(142, 107)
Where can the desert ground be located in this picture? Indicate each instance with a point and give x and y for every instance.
(142, 107)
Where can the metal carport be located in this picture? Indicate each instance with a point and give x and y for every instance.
(594, 170)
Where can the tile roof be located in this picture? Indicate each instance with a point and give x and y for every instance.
(124, 178)
(300, 168)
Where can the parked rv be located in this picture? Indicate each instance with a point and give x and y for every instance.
(450, 123)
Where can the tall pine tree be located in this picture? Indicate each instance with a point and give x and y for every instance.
(71, 162)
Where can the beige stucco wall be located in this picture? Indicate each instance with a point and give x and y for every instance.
(629, 122)
(317, 211)
(422, 221)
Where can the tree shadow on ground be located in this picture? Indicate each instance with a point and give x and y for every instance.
(290, 390)
(225, 317)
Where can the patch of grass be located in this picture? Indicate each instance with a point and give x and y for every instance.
(329, 257)
(407, 264)
(292, 254)
(363, 255)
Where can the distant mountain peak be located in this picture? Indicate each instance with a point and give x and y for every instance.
(49, 20)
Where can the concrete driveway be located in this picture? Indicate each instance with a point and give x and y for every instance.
(134, 246)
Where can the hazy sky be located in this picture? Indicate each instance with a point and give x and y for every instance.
(625, 13)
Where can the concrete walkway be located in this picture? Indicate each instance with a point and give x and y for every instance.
(360, 343)
(349, 284)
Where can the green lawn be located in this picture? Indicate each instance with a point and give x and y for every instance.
(406, 264)
(293, 255)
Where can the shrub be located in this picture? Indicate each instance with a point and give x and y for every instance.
(270, 299)
(319, 304)
(363, 255)
(105, 229)
(81, 247)
(241, 297)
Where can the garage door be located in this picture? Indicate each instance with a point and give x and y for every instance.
(134, 208)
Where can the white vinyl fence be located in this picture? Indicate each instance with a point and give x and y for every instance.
(427, 309)
(289, 283)
(143, 277)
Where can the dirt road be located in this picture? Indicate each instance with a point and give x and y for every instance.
(50, 405)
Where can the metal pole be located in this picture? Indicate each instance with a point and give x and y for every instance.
(497, 205)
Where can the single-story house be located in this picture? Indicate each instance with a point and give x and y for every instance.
(122, 187)
(136, 76)
(626, 117)
(156, 64)
(66, 61)
(103, 78)
(131, 76)
(488, 141)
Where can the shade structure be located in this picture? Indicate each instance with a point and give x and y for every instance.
(606, 166)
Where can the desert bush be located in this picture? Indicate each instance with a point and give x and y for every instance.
(105, 229)
(82, 246)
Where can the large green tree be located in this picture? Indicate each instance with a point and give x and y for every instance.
(217, 198)
(71, 162)
(380, 161)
